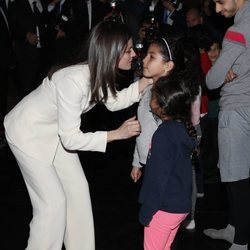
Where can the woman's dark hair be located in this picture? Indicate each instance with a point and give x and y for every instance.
(102, 51)
(174, 99)
(107, 43)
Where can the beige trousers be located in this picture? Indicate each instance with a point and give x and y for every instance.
(60, 198)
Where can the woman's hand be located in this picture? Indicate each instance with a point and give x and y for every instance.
(135, 173)
(144, 82)
(129, 128)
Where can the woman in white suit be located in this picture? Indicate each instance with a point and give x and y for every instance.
(43, 132)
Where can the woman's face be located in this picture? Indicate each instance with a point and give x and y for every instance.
(154, 65)
(126, 59)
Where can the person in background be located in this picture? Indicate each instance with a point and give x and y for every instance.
(214, 19)
(166, 191)
(194, 17)
(43, 132)
(211, 168)
(170, 15)
(231, 71)
(202, 39)
(69, 25)
(28, 26)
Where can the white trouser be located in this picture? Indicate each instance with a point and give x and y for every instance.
(60, 199)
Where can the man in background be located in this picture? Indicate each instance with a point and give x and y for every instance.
(232, 71)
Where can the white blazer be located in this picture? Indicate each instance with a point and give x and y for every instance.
(52, 112)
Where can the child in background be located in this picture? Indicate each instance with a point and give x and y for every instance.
(211, 170)
(166, 191)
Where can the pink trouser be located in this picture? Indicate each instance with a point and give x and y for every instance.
(160, 233)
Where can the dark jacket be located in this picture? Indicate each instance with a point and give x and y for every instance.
(167, 183)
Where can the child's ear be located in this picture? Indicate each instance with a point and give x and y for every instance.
(168, 66)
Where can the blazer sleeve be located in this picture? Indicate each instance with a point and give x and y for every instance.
(69, 97)
(123, 98)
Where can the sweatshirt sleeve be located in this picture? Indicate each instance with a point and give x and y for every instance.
(234, 45)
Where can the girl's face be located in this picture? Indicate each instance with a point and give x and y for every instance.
(154, 65)
(214, 52)
(126, 59)
(156, 109)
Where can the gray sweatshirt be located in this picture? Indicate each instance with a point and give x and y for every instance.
(235, 54)
(149, 124)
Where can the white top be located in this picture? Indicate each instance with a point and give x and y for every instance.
(53, 111)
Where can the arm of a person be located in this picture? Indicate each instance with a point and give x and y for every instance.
(143, 141)
(136, 166)
(127, 96)
(148, 126)
(70, 95)
(234, 45)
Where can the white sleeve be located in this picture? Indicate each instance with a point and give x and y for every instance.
(69, 97)
(124, 98)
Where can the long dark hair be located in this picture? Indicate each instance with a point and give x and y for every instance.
(188, 65)
(174, 99)
(166, 47)
(107, 43)
(102, 51)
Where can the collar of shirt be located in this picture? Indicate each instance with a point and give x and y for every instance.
(38, 4)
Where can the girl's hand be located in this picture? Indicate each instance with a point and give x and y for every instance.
(135, 173)
(129, 128)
